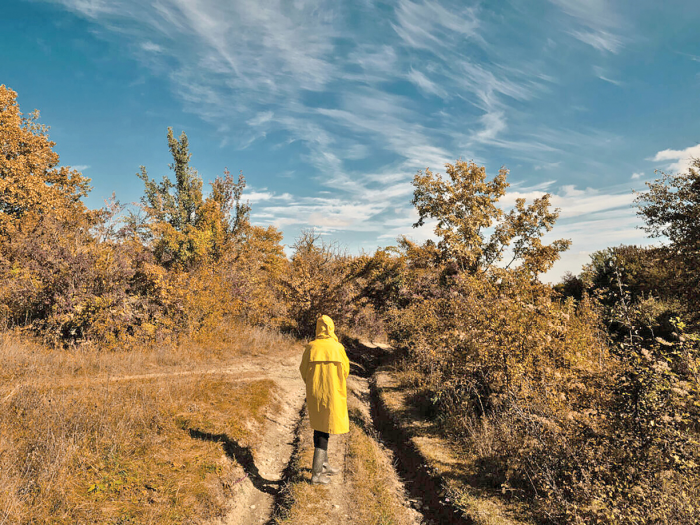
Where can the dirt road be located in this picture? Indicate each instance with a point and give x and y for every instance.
(257, 495)
(254, 497)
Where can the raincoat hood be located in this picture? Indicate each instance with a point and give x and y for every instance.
(325, 329)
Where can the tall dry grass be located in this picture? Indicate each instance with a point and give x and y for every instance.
(76, 447)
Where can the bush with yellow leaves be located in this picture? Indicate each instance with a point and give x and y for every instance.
(186, 264)
(532, 386)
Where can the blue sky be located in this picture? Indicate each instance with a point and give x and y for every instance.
(329, 108)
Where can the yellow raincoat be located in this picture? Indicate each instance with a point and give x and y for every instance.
(324, 368)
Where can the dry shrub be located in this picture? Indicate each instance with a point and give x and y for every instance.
(529, 388)
(62, 283)
(70, 286)
(182, 266)
(584, 424)
(318, 282)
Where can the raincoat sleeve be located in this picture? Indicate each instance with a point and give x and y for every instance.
(304, 366)
(345, 363)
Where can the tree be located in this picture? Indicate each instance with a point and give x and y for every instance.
(671, 208)
(465, 207)
(181, 225)
(570, 286)
(317, 283)
(31, 186)
(179, 207)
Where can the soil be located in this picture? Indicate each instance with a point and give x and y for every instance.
(254, 497)
(335, 504)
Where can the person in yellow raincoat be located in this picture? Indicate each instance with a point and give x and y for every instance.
(325, 368)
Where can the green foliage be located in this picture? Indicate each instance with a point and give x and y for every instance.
(182, 227)
(641, 279)
(570, 286)
(189, 263)
(671, 208)
(179, 209)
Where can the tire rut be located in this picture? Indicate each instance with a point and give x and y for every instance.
(422, 486)
(254, 496)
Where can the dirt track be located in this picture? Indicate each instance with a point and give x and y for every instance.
(255, 497)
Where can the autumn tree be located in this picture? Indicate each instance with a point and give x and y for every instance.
(465, 207)
(55, 275)
(317, 283)
(31, 183)
(671, 208)
(182, 225)
(256, 266)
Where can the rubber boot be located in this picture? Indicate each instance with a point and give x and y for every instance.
(317, 475)
(327, 469)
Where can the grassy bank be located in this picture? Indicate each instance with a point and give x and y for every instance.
(452, 482)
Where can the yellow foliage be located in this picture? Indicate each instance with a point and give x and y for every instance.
(30, 183)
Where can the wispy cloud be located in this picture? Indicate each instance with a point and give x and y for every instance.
(599, 25)
(306, 76)
(601, 40)
(249, 60)
(575, 202)
(429, 25)
(263, 195)
(683, 158)
(603, 75)
(151, 47)
(425, 84)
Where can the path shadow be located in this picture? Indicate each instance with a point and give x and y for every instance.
(241, 455)
(364, 360)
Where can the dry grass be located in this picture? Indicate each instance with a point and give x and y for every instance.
(163, 450)
(374, 498)
(22, 359)
(463, 478)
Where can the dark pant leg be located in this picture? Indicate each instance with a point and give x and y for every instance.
(321, 440)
